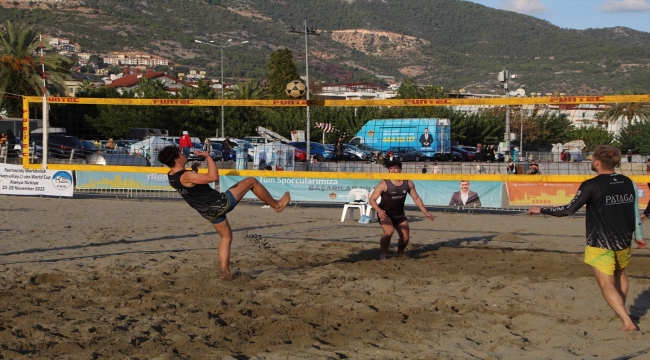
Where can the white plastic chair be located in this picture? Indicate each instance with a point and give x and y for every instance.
(357, 199)
(370, 211)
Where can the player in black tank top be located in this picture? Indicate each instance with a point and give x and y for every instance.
(612, 220)
(391, 208)
(210, 203)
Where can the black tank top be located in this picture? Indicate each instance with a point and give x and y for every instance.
(204, 199)
(611, 210)
(392, 200)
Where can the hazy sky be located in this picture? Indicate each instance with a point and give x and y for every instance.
(581, 14)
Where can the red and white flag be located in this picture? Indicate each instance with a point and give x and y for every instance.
(326, 127)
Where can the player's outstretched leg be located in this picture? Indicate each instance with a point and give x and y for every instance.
(251, 184)
(225, 233)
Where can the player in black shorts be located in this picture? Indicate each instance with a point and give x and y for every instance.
(212, 204)
(612, 220)
(390, 210)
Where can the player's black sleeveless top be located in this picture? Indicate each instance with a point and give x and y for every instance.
(204, 199)
(392, 200)
(612, 212)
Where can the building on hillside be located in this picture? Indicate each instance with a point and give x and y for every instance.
(134, 59)
(355, 91)
(76, 79)
(130, 81)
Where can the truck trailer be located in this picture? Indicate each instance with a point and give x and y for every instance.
(429, 136)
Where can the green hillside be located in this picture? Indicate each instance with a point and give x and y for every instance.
(458, 44)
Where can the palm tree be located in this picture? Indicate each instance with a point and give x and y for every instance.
(21, 71)
(630, 110)
(249, 90)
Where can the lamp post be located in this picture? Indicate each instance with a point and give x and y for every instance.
(503, 77)
(223, 133)
(307, 31)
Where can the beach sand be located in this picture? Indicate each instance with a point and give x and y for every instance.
(99, 278)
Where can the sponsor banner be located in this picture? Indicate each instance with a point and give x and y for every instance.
(433, 193)
(15, 180)
(548, 194)
(122, 180)
(542, 194)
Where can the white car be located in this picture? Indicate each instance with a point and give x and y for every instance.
(152, 143)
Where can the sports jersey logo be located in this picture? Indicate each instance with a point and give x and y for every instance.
(619, 199)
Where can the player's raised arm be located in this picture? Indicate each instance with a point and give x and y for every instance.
(199, 179)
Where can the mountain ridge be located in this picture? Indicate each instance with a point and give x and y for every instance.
(452, 43)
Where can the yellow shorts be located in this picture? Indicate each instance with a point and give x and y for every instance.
(607, 260)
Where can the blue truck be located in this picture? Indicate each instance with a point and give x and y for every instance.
(430, 136)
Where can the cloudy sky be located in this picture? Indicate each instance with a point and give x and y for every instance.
(581, 14)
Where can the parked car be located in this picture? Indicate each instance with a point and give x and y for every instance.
(122, 146)
(255, 140)
(227, 157)
(367, 147)
(300, 155)
(216, 155)
(499, 157)
(316, 149)
(145, 146)
(406, 153)
(234, 142)
(59, 146)
(90, 148)
(353, 153)
(465, 155)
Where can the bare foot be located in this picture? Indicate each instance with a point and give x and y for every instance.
(629, 327)
(225, 276)
(283, 202)
(382, 257)
(404, 256)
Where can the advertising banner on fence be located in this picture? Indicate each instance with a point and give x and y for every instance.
(122, 180)
(538, 193)
(546, 194)
(433, 193)
(14, 180)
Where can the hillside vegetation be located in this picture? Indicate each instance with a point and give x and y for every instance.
(456, 44)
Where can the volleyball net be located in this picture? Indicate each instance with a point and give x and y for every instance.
(125, 134)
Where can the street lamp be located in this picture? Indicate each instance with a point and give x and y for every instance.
(223, 133)
(307, 31)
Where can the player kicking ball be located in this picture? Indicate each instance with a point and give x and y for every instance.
(612, 218)
(210, 203)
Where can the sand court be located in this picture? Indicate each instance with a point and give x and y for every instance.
(107, 278)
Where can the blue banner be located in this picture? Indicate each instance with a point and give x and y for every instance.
(432, 192)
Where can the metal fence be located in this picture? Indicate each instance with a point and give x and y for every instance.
(547, 162)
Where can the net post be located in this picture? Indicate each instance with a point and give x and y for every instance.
(25, 143)
(44, 151)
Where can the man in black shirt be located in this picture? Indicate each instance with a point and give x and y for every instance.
(390, 210)
(210, 203)
(612, 218)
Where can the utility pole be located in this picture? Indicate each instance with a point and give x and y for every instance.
(503, 77)
(307, 31)
(228, 44)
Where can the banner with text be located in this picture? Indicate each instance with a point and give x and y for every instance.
(433, 193)
(15, 180)
(547, 194)
(121, 180)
